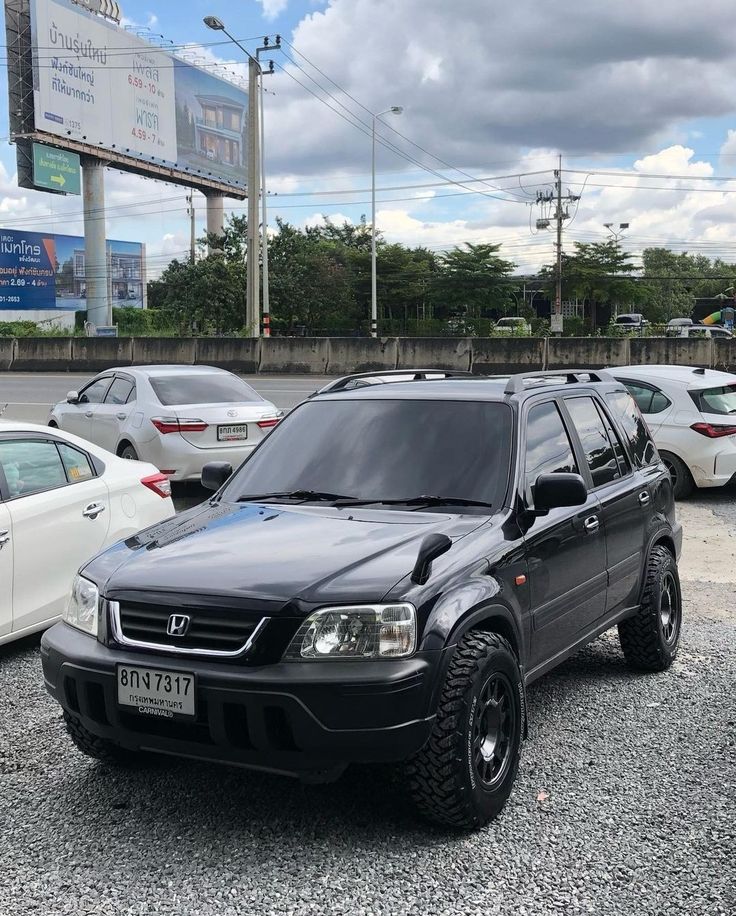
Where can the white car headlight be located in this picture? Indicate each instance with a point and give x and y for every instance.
(360, 631)
(82, 607)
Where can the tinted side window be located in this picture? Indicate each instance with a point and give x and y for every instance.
(548, 448)
(119, 391)
(594, 439)
(76, 463)
(641, 394)
(31, 466)
(627, 414)
(624, 465)
(95, 393)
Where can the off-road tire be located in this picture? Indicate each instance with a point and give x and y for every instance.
(682, 480)
(648, 642)
(99, 748)
(443, 778)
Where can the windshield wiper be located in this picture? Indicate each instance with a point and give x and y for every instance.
(304, 495)
(415, 501)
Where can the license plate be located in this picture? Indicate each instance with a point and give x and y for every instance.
(155, 692)
(232, 433)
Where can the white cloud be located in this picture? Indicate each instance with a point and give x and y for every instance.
(273, 8)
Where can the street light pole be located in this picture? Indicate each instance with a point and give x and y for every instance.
(397, 110)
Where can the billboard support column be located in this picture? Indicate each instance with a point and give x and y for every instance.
(215, 221)
(253, 297)
(99, 307)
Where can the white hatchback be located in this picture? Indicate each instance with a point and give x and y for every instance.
(62, 501)
(177, 417)
(692, 416)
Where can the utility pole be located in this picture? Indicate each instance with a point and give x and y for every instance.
(192, 227)
(252, 268)
(266, 307)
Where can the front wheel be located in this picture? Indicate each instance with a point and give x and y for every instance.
(650, 638)
(464, 774)
(99, 748)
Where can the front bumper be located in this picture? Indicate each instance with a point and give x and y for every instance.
(308, 719)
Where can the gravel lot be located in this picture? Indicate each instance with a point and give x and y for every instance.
(624, 802)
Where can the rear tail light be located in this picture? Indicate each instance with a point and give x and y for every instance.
(713, 432)
(159, 483)
(268, 424)
(178, 425)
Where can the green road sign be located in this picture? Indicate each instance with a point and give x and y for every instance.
(56, 170)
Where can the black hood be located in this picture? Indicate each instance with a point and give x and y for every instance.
(275, 553)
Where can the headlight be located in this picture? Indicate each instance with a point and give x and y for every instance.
(81, 610)
(363, 631)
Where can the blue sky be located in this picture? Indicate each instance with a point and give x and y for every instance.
(642, 87)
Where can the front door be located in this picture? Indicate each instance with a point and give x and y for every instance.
(6, 572)
(566, 549)
(59, 516)
(77, 418)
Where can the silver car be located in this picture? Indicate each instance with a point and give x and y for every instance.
(176, 417)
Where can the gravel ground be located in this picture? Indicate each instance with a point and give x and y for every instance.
(624, 805)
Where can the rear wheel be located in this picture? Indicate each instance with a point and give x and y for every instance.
(128, 452)
(53, 424)
(682, 480)
(650, 638)
(464, 774)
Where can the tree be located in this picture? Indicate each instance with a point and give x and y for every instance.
(473, 281)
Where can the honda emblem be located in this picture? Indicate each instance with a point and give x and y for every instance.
(178, 625)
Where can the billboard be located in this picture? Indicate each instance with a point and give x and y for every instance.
(41, 270)
(99, 85)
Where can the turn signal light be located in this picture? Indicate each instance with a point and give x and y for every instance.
(713, 432)
(167, 425)
(159, 483)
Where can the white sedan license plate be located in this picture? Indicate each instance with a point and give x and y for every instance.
(232, 433)
(154, 692)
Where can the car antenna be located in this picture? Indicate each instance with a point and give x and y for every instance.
(698, 371)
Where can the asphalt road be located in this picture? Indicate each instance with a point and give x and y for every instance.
(30, 395)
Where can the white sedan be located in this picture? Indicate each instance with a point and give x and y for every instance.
(692, 416)
(62, 501)
(177, 417)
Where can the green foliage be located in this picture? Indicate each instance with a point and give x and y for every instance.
(675, 282)
(19, 329)
(473, 280)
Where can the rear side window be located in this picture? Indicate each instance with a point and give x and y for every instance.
(624, 409)
(31, 466)
(597, 446)
(119, 391)
(548, 447)
(202, 388)
(76, 463)
(716, 400)
(649, 400)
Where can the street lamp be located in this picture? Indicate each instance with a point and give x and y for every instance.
(397, 110)
(616, 234)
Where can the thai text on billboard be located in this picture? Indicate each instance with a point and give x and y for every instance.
(102, 85)
(47, 271)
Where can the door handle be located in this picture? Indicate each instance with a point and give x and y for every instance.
(4, 538)
(88, 414)
(644, 498)
(591, 524)
(122, 416)
(93, 510)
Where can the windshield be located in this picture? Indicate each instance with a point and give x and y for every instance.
(384, 449)
(202, 388)
(716, 400)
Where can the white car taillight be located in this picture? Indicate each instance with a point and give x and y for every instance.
(712, 431)
(167, 425)
(159, 483)
(268, 424)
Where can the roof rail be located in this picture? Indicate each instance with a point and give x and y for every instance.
(571, 376)
(412, 375)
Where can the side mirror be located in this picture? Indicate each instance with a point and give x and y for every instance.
(72, 397)
(553, 491)
(215, 473)
(433, 546)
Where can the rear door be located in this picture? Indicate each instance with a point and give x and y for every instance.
(77, 418)
(59, 516)
(6, 570)
(566, 549)
(624, 496)
(109, 416)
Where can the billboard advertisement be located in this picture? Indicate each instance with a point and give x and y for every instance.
(101, 85)
(41, 270)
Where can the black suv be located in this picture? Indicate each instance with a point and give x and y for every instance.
(380, 581)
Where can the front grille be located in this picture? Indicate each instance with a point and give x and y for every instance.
(209, 629)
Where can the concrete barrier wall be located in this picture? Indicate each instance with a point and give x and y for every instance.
(361, 354)
(587, 352)
(434, 352)
(506, 355)
(7, 349)
(238, 354)
(725, 355)
(164, 351)
(93, 354)
(302, 355)
(671, 351)
(42, 354)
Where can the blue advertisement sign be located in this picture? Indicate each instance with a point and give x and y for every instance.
(47, 271)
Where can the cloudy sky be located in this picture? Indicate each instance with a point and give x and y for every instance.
(639, 97)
